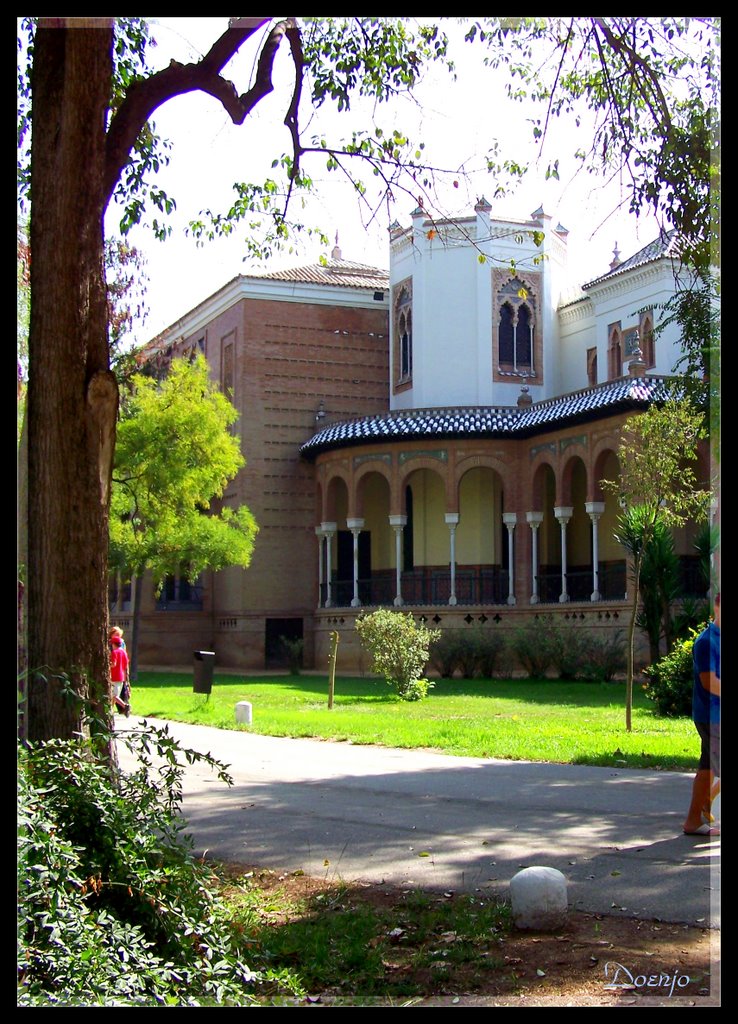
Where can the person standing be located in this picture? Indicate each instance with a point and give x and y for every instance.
(706, 718)
(119, 674)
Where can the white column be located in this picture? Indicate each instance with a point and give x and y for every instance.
(356, 526)
(594, 510)
(452, 521)
(534, 520)
(320, 535)
(510, 519)
(329, 530)
(563, 513)
(398, 524)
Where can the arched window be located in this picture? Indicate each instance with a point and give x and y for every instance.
(647, 344)
(524, 339)
(615, 354)
(507, 337)
(403, 335)
(406, 345)
(516, 338)
(591, 366)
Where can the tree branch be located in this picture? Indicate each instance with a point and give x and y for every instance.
(143, 97)
(650, 82)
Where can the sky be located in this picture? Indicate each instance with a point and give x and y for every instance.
(458, 122)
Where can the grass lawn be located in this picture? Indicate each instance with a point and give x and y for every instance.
(521, 719)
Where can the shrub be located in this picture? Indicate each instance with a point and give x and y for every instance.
(567, 649)
(605, 656)
(446, 652)
(293, 648)
(669, 681)
(530, 644)
(474, 651)
(399, 648)
(490, 652)
(113, 908)
(469, 649)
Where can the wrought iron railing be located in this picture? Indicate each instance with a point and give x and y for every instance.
(473, 586)
(422, 587)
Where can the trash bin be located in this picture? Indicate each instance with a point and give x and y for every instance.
(204, 662)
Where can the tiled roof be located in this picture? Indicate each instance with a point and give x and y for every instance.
(485, 421)
(343, 273)
(665, 246)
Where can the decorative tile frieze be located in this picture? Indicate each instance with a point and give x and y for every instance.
(549, 447)
(441, 455)
(566, 442)
(359, 460)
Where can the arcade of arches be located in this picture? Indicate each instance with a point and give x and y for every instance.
(465, 530)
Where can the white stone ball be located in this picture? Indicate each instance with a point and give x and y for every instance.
(539, 898)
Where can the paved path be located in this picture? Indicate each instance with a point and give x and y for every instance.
(417, 818)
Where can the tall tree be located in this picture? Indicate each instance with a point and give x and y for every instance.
(174, 456)
(72, 394)
(92, 97)
(658, 487)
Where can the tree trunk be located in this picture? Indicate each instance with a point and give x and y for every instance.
(631, 645)
(72, 395)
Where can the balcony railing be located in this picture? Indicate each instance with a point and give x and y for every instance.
(423, 587)
(483, 585)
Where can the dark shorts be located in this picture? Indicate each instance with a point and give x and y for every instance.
(710, 752)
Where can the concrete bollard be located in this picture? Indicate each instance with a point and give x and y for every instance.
(243, 712)
(539, 898)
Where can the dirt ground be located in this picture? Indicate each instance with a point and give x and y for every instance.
(651, 962)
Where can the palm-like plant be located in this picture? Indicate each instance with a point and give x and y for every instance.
(659, 587)
(634, 529)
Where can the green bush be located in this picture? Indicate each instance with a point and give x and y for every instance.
(531, 646)
(669, 680)
(574, 653)
(292, 648)
(113, 908)
(445, 656)
(473, 652)
(568, 649)
(399, 648)
(491, 647)
(605, 656)
(469, 649)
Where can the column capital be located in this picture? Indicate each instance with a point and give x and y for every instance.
(510, 518)
(452, 518)
(398, 521)
(594, 508)
(564, 513)
(355, 524)
(329, 527)
(534, 518)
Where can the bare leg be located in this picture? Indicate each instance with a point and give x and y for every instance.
(707, 814)
(700, 799)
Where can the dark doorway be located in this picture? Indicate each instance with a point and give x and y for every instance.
(408, 541)
(275, 654)
(344, 588)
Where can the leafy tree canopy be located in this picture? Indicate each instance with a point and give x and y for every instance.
(174, 457)
(658, 487)
(652, 86)
(335, 60)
